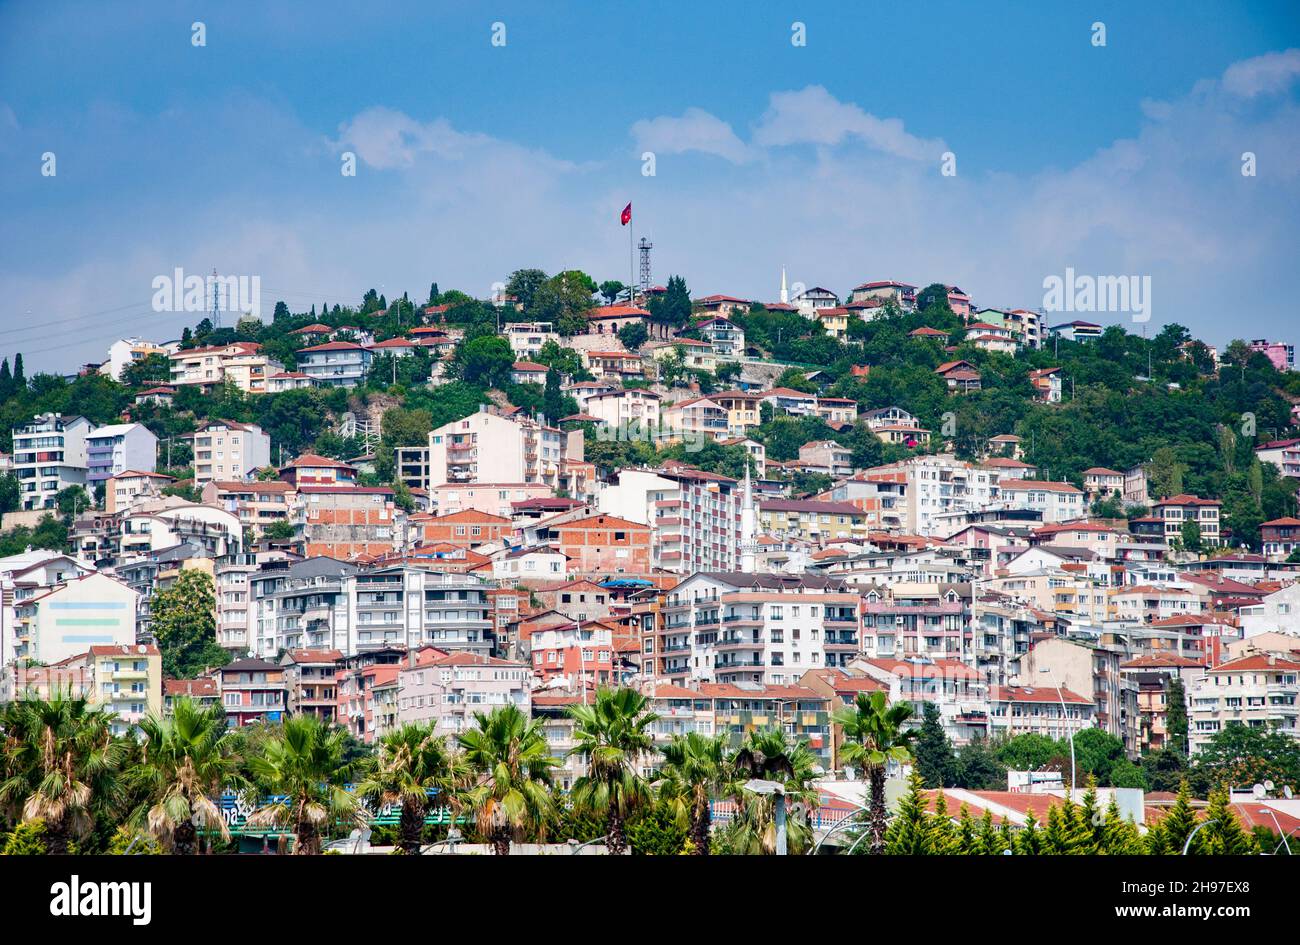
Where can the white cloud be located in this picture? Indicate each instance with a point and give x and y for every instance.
(695, 130)
(1268, 74)
(813, 116)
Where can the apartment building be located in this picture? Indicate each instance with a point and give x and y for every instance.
(124, 679)
(1152, 675)
(1258, 690)
(631, 407)
(909, 620)
(744, 410)
(252, 690)
(343, 521)
(701, 417)
(528, 338)
(955, 689)
(937, 487)
(1176, 510)
(125, 489)
(311, 469)
(230, 575)
(494, 498)
(335, 363)
(1280, 536)
(694, 515)
(1284, 454)
(257, 504)
(311, 680)
(126, 351)
(598, 544)
(576, 654)
(447, 689)
(242, 363)
(903, 294)
(1084, 667)
(467, 528)
(298, 605)
(826, 456)
(1100, 483)
(1057, 501)
(811, 520)
(1042, 710)
(65, 619)
(725, 338)
(226, 450)
(412, 607)
(49, 455)
(485, 447)
(767, 629)
(118, 447)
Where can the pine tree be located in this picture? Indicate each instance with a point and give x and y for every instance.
(935, 760)
(990, 841)
(909, 831)
(1056, 836)
(1223, 833)
(6, 379)
(1029, 842)
(1120, 835)
(1155, 843)
(944, 839)
(1007, 836)
(1176, 715)
(1091, 822)
(1178, 824)
(968, 839)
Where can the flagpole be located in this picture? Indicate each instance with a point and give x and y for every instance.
(631, 265)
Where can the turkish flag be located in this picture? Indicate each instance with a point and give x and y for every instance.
(626, 217)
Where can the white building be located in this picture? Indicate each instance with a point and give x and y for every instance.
(49, 456)
(485, 447)
(124, 351)
(1258, 690)
(118, 447)
(1058, 501)
(335, 363)
(227, 450)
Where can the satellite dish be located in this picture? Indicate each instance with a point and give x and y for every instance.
(1268, 785)
(1287, 792)
(1259, 791)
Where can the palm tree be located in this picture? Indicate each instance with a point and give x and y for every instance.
(874, 736)
(185, 762)
(612, 734)
(301, 766)
(694, 769)
(769, 755)
(511, 764)
(411, 761)
(61, 766)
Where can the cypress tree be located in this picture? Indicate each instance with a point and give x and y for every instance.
(1179, 822)
(1120, 835)
(1029, 842)
(909, 831)
(19, 380)
(968, 840)
(1223, 834)
(944, 839)
(935, 760)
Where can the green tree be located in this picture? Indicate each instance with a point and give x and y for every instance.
(186, 761)
(61, 765)
(633, 335)
(935, 761)
(485, 361)
(770, 755)
(694, 770)
(910, 833)
(612, 734)
(1176, 715)
(511, 766)
(411, 762)
(10, 493)
(185, 625)
(1223, 833)
(301, 767)
(874, 735)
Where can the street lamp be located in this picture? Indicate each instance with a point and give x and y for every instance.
(777, 789)
(1069, 729)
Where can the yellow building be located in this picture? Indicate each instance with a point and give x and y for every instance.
(125, 680)
(811, 520)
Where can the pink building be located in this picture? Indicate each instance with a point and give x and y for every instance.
(1279, 352)
(448, 688)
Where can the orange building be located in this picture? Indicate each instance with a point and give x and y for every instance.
(466, 528)
(603, 544)
(345, 521)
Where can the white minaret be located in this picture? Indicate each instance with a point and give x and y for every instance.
(748, 528)
(785, 293)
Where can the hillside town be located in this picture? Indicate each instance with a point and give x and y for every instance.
(1050, 564)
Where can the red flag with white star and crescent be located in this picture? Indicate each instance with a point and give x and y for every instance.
(626, 218)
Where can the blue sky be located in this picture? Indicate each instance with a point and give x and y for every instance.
(475, 160)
